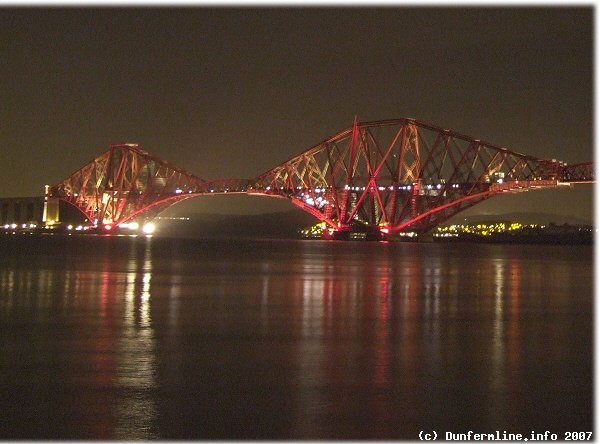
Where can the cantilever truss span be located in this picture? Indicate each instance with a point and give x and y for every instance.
(404, 175)
(386, 176)
(126, 181)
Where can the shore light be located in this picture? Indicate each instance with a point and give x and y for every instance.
(148, 228)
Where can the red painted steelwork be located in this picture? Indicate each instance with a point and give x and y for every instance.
(126, 181)
(402, 175)
(389, 176)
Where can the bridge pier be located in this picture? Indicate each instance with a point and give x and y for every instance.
(51, 214)
(350, 233)
(393, 170)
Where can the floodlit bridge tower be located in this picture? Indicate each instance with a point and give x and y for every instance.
(404, 176)
(384, 178)
(126, 182)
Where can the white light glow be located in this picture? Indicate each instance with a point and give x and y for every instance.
(149, 228)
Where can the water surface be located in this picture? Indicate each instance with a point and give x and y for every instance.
(142, 338)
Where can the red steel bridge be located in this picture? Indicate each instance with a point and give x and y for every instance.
(382, 178)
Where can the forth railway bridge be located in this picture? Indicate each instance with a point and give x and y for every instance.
(382, 178)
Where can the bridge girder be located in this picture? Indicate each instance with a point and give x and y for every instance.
(385, 176)
(401, 175)
(126, 181)
(578, 173)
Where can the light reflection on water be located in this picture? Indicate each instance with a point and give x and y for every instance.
(136, 364)
(150, 338)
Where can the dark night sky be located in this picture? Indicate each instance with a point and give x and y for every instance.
(229, 92)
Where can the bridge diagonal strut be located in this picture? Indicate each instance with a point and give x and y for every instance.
(381, 177)
(404, 175)
(126, 181)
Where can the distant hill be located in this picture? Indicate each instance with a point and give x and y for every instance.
(524, 218)
(283, 224)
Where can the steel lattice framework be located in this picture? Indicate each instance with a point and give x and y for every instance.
(388, 176)
(404, 175)
(578, 173)
(126, 181)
